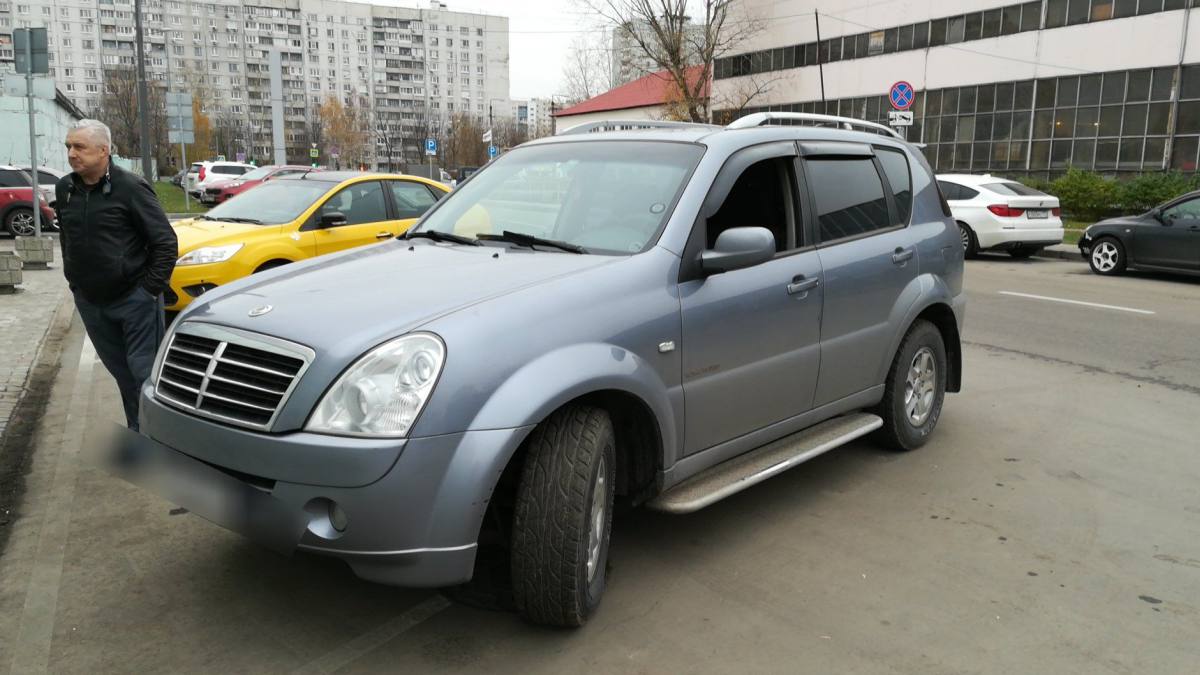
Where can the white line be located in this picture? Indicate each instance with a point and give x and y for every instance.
(1077, 302)
(32, 648)
(376, 638)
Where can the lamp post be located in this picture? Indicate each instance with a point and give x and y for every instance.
(143, 98)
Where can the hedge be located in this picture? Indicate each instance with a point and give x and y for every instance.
(1087, 195)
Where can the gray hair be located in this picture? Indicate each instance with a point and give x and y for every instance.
(97, 130)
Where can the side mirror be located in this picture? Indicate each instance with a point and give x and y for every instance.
(738, 248)
(332, 219)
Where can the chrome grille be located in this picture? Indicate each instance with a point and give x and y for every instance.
(230, 375)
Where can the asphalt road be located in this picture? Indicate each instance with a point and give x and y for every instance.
(1049, 526)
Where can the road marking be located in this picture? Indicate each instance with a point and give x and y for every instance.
(374, 639)
(1077, 302)
(32, 648)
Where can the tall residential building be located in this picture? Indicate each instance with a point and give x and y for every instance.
(410, 69)
(541, 120)
(1020, 88)
(629, 59)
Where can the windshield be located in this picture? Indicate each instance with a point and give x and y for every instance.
(258, 174)
(608, 197)
(1014, 189)
(273, 202)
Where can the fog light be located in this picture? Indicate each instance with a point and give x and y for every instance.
(198, 289)
(326, 519)
(337, 517)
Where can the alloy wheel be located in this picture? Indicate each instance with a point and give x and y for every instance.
(22, 224)
(920, 387)
(1105, 256)
(597, 519)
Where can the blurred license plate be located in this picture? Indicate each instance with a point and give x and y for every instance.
(1037, 213)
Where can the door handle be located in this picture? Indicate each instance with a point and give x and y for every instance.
(801, 285)
(902, 255)
(384, 235)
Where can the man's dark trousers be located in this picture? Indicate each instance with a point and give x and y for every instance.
(126, 334)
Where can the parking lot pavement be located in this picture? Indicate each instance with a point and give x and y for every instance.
(1047, 527)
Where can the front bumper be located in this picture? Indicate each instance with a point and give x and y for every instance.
(415, 524)
(1085, 246)
(189, 282)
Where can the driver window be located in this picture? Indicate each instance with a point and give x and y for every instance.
(761, 197)
(359, 203)
(1189, 210)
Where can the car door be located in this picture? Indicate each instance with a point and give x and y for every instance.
(365, 218)
(751, 337)
(410, 201)
(1173, 240)
(868, 259)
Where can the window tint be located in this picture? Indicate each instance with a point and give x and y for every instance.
(47, 178)
(1189, 210)
(229, 170)
(1014, 189)
(895, 165)
(11, 179)
(956, 192)
(849, 196)
(359, 203)
(412, 200)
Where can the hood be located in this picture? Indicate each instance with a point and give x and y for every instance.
(193, 233)
(1125, 221)
(364, 296)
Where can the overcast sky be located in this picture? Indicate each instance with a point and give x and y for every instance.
(541, 32)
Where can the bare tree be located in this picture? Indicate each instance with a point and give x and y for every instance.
(587, 71)
(119, 110)
(663, 30)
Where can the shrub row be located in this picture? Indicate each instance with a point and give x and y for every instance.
(1086, 195)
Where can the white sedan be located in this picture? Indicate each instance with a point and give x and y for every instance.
(1000, 214)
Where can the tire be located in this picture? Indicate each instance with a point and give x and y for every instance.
(905, 426)
(563, 518)
(969, 241)
(1024, 252)
(19, 222)
(1107, 257)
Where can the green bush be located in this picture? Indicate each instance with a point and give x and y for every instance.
(1146, 191)
(1086, 195)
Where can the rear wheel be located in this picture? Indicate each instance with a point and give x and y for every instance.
(563, 518)
(969, 243)
(915, 389)
(19, 222)
(1108, 257)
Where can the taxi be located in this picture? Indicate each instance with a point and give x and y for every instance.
(290, 219)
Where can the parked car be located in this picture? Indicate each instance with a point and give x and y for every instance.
(47, 179)
(200, 174)
(688, 311)
(289, 219)
(16, 204)
(178, 179)
(997, 214)
(1166, 237)
(220, 191)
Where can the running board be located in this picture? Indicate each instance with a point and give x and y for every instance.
(734, 475)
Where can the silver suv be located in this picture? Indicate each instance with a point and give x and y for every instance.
(660, 315)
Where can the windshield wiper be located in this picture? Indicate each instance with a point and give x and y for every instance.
(442, 237)
(522, 239)
(251, 221)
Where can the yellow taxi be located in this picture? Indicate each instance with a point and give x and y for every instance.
(290, 219)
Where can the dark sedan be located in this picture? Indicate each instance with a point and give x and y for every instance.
(1166, 237)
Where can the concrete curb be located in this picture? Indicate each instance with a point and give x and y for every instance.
(1061, 252)
(60, 323)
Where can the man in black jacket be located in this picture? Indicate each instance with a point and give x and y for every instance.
(118, 252)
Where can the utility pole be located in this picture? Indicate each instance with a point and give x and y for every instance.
(33, 161)
(820, 61)
(143, 98)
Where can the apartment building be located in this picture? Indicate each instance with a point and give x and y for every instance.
(409, 69)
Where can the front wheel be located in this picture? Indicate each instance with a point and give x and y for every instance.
(915, 389)
(563, 518)
(1108, 257)
(20, 222)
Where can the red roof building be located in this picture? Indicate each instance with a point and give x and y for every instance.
(643, 99)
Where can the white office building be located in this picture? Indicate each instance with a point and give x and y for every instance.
(1032, 87)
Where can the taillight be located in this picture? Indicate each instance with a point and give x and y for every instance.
(1005, 211)
(201, 174)
(1056, 211)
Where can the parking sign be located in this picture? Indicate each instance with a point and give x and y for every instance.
(493, 151)
(430, 146)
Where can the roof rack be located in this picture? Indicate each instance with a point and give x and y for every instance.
(623, 125)
(759, 119)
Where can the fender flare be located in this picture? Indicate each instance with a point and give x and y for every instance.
(933, 292)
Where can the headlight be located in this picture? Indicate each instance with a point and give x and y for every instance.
(384, 391)
(209, 254)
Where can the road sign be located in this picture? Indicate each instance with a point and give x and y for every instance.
(431, 146)
(487, 136)
(43, 87)
(900, 118)
(241, 157)
(901, 95)
(493, 151)
(314, 153)
(174, 137)
(24, 38)
(220, 158)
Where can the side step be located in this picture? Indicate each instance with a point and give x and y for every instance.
(734, 475)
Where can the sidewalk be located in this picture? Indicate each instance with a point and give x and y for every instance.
(40, 309)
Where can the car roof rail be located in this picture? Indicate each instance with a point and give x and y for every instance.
(629, 125)
(759, 119)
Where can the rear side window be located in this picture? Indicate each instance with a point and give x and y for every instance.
(46, 178)
(230, 170)
(11, 179)
(849, 197)
(956, 192)
(1014, 190)
(895, 166)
